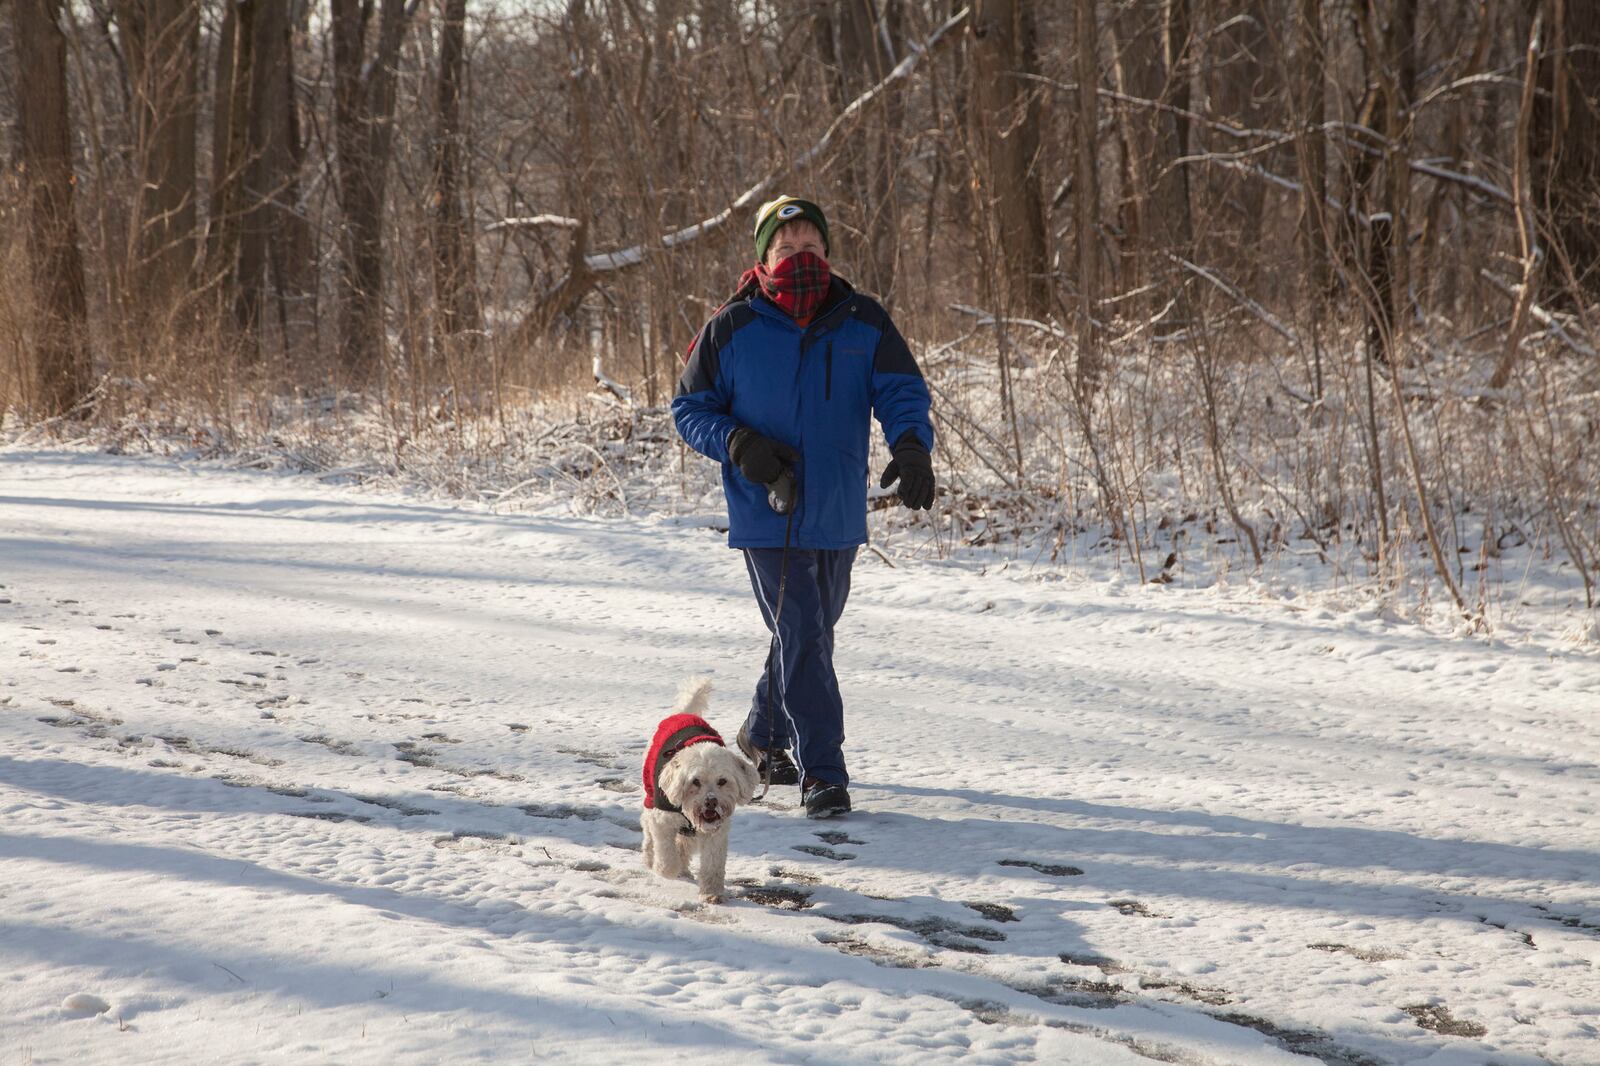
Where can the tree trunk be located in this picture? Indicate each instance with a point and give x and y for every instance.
(1178, 46)
(161, 47)
(853, 35)
(454, 272)
(229, 150)
(1391, 56)
(55, 262)
(274, 242)
(1308, 83)
(363, 120)
(1088, 196)
(1242, 84)
(1565, 143)
(1155, 210)
(1005, 120)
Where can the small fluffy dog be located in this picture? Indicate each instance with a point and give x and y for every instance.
(692, 783)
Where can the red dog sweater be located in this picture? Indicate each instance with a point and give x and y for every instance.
(672, 736)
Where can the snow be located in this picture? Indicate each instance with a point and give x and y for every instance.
(293, 771)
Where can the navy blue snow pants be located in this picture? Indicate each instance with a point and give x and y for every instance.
(808, 715)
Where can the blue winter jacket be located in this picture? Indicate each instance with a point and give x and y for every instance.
(811, 388)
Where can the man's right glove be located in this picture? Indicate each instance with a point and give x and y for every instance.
(760, 459)
(914, 467)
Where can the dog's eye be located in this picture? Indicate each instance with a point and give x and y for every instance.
(695, 782)
(721, 781)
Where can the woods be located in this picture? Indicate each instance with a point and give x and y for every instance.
(1323, 272)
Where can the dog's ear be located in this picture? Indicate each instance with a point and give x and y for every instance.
(672, 781)
(748, 780)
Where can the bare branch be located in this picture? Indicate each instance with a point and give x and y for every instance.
(603, 262)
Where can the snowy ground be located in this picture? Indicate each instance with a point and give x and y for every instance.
(292, 772)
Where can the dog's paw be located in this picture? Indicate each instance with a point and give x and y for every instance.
(711, 897)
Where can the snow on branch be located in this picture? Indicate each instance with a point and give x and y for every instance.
(1545, 318)
(534, 222)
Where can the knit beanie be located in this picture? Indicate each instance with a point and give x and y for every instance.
(775, 214)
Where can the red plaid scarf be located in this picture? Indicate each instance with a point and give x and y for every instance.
(797, 284)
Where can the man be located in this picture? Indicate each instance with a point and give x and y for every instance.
(779, 388)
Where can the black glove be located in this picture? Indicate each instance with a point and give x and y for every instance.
(914, 467)
(759, 459)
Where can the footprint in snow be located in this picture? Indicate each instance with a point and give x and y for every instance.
(1132, 908)
(470, 840)
(899, 959)
(603, 759)
(824, 853)
(1364, 954)
(401, 807)
(781, 897)
(1436, 1017)
(1569, 920)
(1312, 1042)
(939, 932)
(833, 836)
(338, 747)
(1048, 869)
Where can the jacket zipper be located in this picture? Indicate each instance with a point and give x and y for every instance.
(827, 375)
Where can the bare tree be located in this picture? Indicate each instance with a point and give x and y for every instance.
(1565, 141)
(1005, 118)
(161, 48)
(1307, 77)
(44, 141)
(1087, 195)
(857, 40)
(364, 102)
(274, 260)
(1240, 73)
(1155, 204)
(454, 272)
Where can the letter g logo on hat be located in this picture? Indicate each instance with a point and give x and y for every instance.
(789, 210)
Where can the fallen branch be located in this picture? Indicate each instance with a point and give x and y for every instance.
(986, 318)
(1542, 316)
(1244, 301)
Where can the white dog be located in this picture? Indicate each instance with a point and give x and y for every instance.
(692, 783)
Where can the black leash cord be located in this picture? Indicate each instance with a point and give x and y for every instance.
(772, 652)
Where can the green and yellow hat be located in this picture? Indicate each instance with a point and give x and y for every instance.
(782, 211)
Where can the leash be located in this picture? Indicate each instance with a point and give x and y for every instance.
(772, 649)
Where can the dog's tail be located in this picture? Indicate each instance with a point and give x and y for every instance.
(694, 697)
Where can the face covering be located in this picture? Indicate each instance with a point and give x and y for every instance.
(797, 284)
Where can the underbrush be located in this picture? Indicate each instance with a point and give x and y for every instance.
(1181, 469)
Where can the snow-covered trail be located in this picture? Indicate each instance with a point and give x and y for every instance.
(290, 771)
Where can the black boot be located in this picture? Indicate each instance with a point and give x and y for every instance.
(784, 771)
(824, 800)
